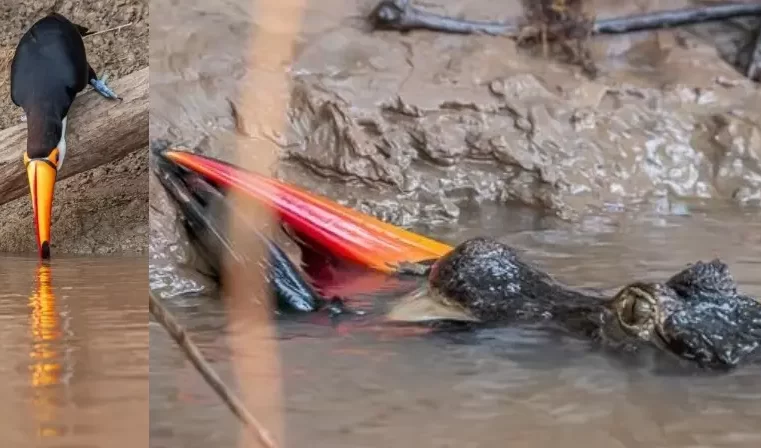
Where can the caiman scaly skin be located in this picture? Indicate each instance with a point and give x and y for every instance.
(698, 314)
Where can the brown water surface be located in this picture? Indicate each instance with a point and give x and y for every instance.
(74, 346)
(358, 383)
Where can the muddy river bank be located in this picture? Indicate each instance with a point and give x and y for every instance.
(653, 164)
(423, 124)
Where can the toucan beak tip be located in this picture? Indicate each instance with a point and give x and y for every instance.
(45, 250)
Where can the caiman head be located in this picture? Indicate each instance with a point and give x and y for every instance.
(697, 315)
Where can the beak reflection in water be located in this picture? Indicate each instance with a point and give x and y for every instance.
(45, 368)
(41, 174)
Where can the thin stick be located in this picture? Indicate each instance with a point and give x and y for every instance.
(116, 28)
(182, 338)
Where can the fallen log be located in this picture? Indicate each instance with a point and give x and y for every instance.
(99, 131)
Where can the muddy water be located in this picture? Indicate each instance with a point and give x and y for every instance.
(358, 384)
(656, 161)
(74, 347)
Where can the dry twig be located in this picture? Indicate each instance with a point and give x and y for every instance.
(116, 28)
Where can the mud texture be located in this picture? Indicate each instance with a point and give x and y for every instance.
(440, 121)
(104, 210)
(422, 125)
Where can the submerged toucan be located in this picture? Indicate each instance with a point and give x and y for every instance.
(338, 229)
(48, 70)
(199, 186)
(202, 206)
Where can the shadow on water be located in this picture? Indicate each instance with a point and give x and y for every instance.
(74, 346)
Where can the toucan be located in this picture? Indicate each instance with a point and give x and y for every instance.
(337, 229)
(49, 69)
(344, 252)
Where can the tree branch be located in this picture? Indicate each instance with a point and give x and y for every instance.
(400, 15)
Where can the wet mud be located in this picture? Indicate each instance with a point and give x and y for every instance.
(454, 120)
(104, 210)
(422, 125)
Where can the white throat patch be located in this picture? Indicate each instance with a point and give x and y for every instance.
(62, 145)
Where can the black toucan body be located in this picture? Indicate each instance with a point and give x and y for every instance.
(48, 70)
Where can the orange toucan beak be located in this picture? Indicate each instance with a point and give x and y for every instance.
(41, 174)
(344, 231)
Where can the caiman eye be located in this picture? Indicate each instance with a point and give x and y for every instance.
(640, 310)
(636, 308)
(627, 311)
